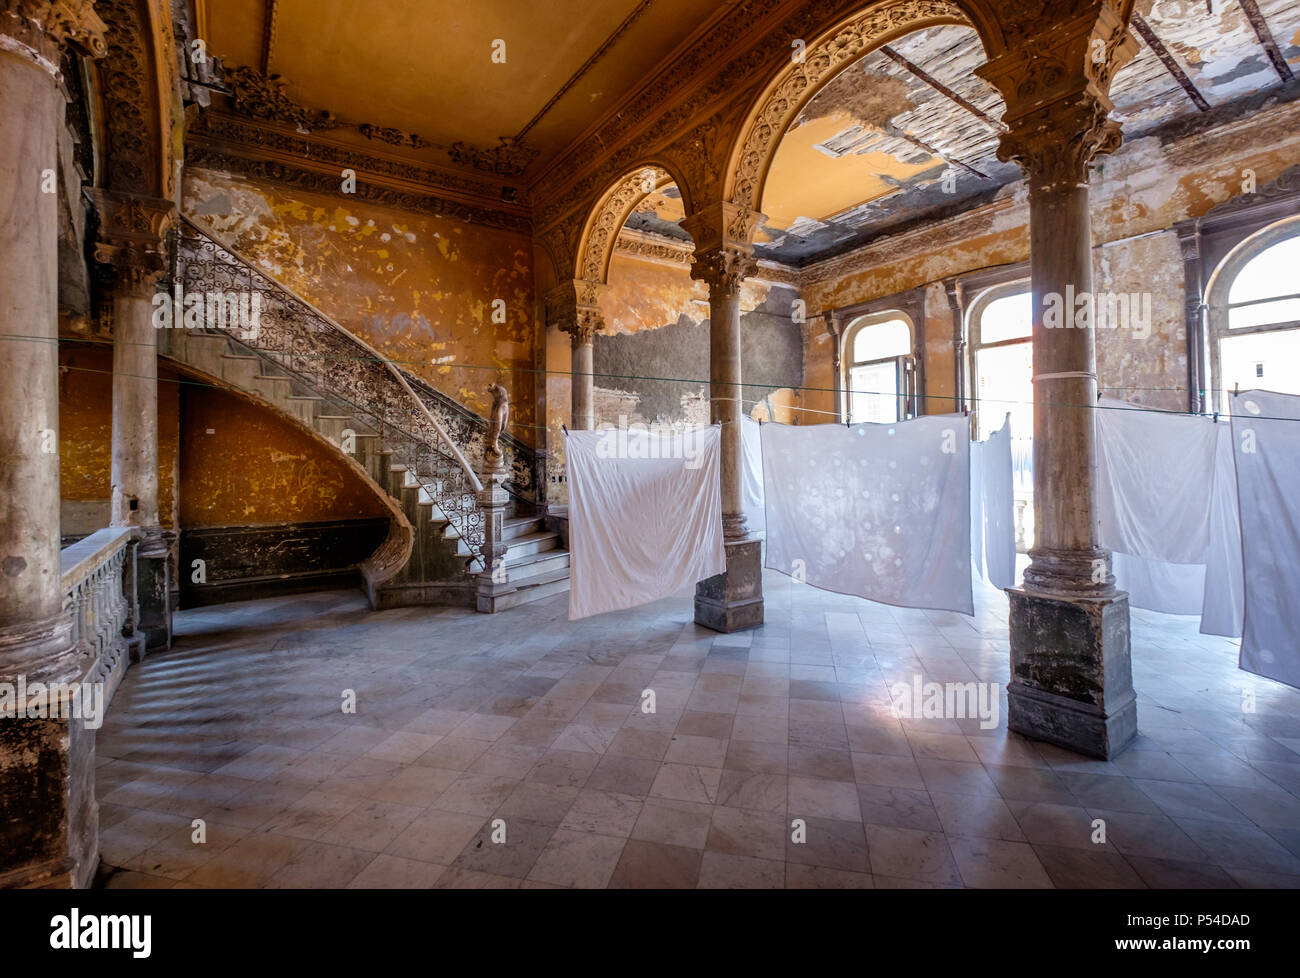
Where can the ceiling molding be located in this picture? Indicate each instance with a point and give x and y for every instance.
(219, 140)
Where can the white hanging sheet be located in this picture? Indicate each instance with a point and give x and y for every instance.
(993, 508)
(1154, 481)
(1167, 504)
(881, 511)
(1223, 606)
(1266, 443)
(751, 484)
(645, 515)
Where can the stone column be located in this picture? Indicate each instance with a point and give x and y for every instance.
(835, 329)
(957, 307)
(48, 817)
(132, 248)
(574, 308)
(723, 259)
(1071, 677)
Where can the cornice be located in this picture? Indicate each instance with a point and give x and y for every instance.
(220, 140)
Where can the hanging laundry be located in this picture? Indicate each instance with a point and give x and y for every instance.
(645, 515)
(751, 480)
(1167, 512)
(993, 508)
(876, 510)
(1266, 444)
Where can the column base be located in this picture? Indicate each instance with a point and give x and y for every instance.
(733, 601)
(1071, 672)
(153, 570)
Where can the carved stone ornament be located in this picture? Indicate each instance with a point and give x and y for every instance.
(394, 137)
(723, 269)
(609, 216)
(132, 238)
(259, 97)
(44, 27)
(801, 80)
(1055, 145)
(508, 159)
(573, 307)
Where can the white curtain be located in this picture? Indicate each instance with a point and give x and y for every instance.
(881, 511)
(993, 508)
(1266, 443)
(1167, 504)
(645, 515)
(751, 484)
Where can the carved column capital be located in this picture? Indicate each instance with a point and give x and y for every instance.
(40, 29)
(574, 308)
(1055, 77)
(722, 225)
(132, 240)
(723, 268)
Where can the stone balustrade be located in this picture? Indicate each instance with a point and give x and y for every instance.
(99, 591)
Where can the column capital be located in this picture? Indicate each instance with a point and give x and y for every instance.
(132, 240)
(723, 268)
(1056, 85)
(573, 307)
(41, 29)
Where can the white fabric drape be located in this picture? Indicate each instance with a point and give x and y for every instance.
(1266, 443)
(1154, 482)
(1223, 608)
(751, 484)
(993, 508)
(876, 510)
(1167, 503)
(645, 515)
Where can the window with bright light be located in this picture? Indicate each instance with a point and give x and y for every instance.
(876, 371)
(1257, 330)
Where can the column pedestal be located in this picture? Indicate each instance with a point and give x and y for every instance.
(153, 574)
(1071, 672)
(493, 587)
(733, 601)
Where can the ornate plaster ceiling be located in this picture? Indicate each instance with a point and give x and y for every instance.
(422, 79)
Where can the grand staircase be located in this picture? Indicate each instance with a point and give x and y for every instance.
(390, 427)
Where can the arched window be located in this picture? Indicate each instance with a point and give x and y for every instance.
(879, 369)
(1000, 325)
(1253, 302)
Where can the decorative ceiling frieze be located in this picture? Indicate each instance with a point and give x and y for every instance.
(259, 97)
(508, 159)
(235, 135)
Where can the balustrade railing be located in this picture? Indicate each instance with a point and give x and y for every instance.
(99, 588)
(336, 364)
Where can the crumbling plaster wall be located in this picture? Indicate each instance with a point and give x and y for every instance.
(1138, 193)
(420, 289)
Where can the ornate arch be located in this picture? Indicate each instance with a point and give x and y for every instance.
(596, 244)
(824, 58)
(140, 106)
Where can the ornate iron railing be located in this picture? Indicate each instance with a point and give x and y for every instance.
(339, 366)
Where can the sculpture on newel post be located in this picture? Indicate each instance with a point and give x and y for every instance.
(494, 581)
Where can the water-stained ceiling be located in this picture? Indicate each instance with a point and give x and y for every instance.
(909, 131)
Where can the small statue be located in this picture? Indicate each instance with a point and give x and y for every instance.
(498, 418)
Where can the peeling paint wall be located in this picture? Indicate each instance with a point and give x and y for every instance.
(86, 438)
(653, 362)
(422, 290)
(1138, 193)
(243, 466)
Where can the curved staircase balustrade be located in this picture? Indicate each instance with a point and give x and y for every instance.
(304, 342)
